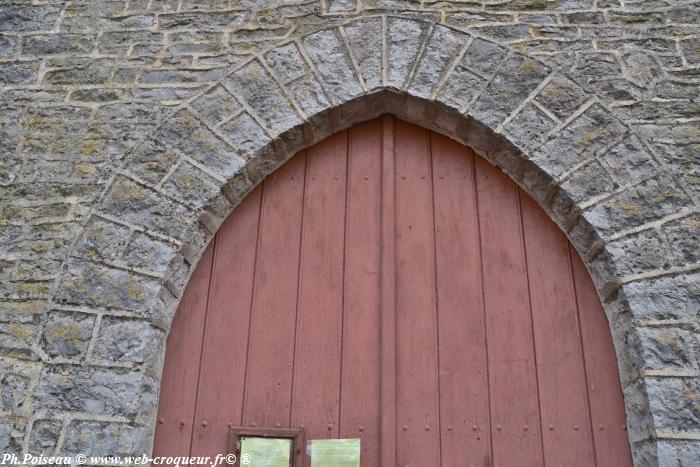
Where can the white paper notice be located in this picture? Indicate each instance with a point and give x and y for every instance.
(335, 452)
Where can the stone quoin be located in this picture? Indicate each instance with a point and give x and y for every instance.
(130, 129)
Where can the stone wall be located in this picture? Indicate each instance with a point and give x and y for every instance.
(129, 129)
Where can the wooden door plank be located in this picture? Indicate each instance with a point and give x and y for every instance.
(360, 383)
(222, 377)
(515, 421)
(178, 389)
(604, 390)
(566, 433)
(388, 412)
(416, 333)
(317, 357)
(463, 368)
(268, 385)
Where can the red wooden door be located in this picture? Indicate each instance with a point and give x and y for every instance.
(390, 285)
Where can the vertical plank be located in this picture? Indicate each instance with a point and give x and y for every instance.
(388, 415)
(416, 333)
(268, 384)
(515, 420)
(317, 357)
(604, 390)
(360, 385)
(222, 371)
(463, 369)
(181, 367)
(564, 411)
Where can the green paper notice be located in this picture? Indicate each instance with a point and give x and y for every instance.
(267, 452)
(335, 453)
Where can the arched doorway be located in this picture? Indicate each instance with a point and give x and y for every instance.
(389, 285)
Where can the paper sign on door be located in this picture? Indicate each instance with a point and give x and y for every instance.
(334, 452)
(267, 452)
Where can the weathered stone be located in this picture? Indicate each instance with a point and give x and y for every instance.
(665, 298)
(638, 253)
(530, 127)
(244, 133)
(683, 238)
(442, 48)
(19, 72)
(18, 17)
(100, 391)
(105, 439)
(203, 20)
(44, 436)
(186, 132)
(67, 334)
(287, 62)
(78, 71)
(102, 239)
(404, 38)
(151, 161)
(561, 96)
(365, 41)
(588, 181)
(54, 44)
(216, 105)
(681, 453)
(14, 391)
(263, 94)
(309, 94)
(90, 284)
(675, 402)
(461, 87)
(333, 63)
(126, 340)
(669, 348)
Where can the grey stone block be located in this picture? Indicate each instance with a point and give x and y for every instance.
(127, 340)
(67, 334)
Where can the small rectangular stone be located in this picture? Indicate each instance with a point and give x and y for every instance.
(19, 72)
(529, 127)
(442, 49)
(287, 62)
(178, 75)
(67, 333)
(18, 17)
(78, 71)
(99, 391)
(674, 402)
(672, 297)
(202, 20)
(482, 57)
(333, 63)
(190, 183)
(127, 340)
(365, 42)
(259, 89)
(91, 284)
(142, 206)
(244, 133)
(561, 96)
(105, 439)
(404, 39)
(309, 94)
(461, 87)
(53, 44)
(216, 105)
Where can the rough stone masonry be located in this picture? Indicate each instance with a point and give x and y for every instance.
(129, 129)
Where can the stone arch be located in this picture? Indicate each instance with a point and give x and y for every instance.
(174, 190)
